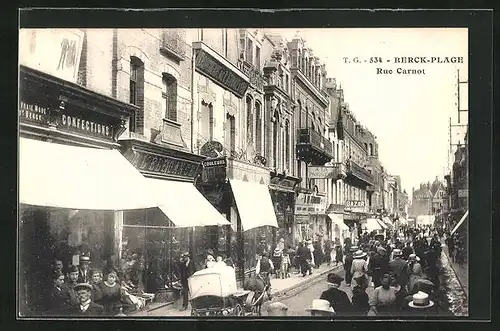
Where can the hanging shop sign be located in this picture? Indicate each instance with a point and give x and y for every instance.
(162, 164)
(207, 65)
(335, 209)
(307, 204)
(214, 170)
(53, 51)
(323, 172)
(355, 205)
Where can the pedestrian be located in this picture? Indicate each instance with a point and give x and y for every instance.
(348, 264)
(320, 307)
(421, 305)
(328, 252)
(377, 266)
(84, 270)
(318, 254)
(263, 269)
(397, 267)
(85, 306)
(339, 256)
(304, 256)
(360, 301)
(186, 270)
(59, 296)
(383, 298)
(337, 298)
(71, 282)
(414, 271)
(359, 268)
(407, 250)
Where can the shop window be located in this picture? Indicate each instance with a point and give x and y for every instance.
(258, 129)
(207, 121)
(170, 96)
(136, 86)
(249, 120)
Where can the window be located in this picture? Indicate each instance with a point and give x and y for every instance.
(287, 144)
(249, 54)
(207, 121)
(257, 57)
(366, 147)
(249, 120)
(371, 150)
(136, 86)
(287, 82)
(275, 139)
(231, 141)
(258, 129)
(170, 96)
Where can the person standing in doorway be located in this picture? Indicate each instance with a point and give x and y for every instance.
(186, 270)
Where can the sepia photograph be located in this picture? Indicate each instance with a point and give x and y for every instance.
(243, 172)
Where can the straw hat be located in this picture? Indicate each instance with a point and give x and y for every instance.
(421, 300)
(83, 286)
(354, 249)
(397, 252)
(321, 305)
(359, 254)
(413, 257)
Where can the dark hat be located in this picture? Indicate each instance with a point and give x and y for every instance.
(73, 268)
(334, 279)
(83, 286)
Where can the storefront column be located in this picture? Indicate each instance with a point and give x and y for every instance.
(118, 231)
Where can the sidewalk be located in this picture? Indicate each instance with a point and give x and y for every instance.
(462, 273)
(279, 288)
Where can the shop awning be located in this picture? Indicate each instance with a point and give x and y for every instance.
(339, 220)
(387, 221)
(372, 224)
(254, 204)
(57, 175)
(460, 222)
(403, 221)
(183, 204)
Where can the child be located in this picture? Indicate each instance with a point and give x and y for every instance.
(285, 264)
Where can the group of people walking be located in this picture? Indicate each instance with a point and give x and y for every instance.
(402, 272)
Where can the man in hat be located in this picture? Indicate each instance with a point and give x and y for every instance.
(321, 307)
(397, 267)
(303, 255)
(84, 269)
(263, 269)
(85, 306)
(407, 250)
(71, 282)
(337, 298)
(186, 270)
(377, 266)
(348, 264)
(421, 305)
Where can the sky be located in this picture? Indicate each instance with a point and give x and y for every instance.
(409, 115)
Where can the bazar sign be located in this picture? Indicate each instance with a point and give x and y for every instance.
(355, 203)
(322, 172)
(209, 66)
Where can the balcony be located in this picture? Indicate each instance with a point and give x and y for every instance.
(313, 148)
(360, 174)
(173, 44)
(254, 74)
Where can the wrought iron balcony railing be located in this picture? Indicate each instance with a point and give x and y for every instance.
(316, 140)
(359, 172)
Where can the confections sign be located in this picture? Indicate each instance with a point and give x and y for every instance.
(53, 51)
(163, 165)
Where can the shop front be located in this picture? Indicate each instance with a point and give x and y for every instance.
(310, 218)
(283, 194)
(73, 182)
(340, 230)
(240, 190)
(183, 221)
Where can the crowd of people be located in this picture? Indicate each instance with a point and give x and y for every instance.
(400, 266)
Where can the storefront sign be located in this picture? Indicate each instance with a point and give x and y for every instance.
(355, 205)
(309, 204)
(164, 165)
(209, 66)
(53, 51)
(72, 123)
(214, 170)
(323, 172)
(33, 113)
(333, 208)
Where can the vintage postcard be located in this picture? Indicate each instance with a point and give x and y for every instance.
(243, 172)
